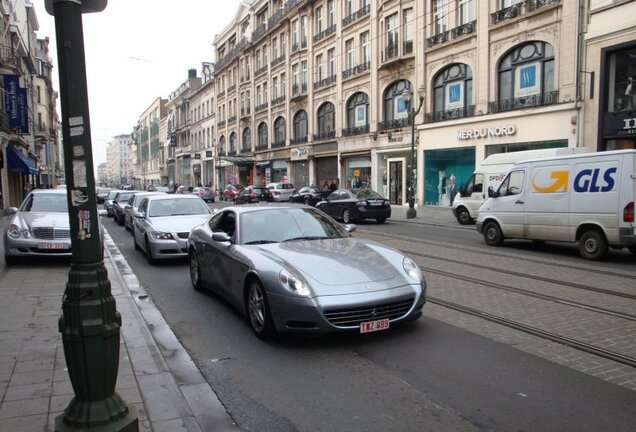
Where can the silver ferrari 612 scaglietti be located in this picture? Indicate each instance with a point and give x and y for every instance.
(293, 269)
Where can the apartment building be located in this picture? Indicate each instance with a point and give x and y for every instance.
(202, 129)
(148, 145)
(118, 161)
(327, 87)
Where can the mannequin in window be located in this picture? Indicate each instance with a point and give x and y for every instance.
(630, 95)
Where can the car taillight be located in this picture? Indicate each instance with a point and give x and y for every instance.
(628, 212)
(252, 196)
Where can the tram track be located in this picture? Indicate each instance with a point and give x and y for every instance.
(544, 334)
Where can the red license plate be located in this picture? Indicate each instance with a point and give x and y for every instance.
(51, 246)
(372, 326)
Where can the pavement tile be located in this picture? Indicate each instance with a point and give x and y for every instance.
(32, 377)
(175, 425)
(62, 388)
(26, 407)
(34, 365)
(162, 405)
(25, 423)
(21, 392)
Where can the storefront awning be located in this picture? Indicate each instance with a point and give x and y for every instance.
(239, 160)
(19, 162)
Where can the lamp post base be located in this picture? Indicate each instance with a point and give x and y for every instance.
(411, 213)
(128, 423)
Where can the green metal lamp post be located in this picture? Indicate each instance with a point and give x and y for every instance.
(90, 324)
(407, 95)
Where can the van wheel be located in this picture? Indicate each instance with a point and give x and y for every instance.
(592, 245)
(492, 234)
(463, 217)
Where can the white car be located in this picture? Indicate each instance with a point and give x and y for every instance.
(281, 191)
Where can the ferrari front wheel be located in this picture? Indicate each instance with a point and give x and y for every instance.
(258, 311)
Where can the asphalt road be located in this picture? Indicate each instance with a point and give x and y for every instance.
(427, 375)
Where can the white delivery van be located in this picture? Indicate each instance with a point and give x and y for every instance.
(586, 198)
(490, 173)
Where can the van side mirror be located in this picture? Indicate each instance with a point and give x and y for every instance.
(492, 193)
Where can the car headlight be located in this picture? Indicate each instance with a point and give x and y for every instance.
(158, 235)
(412, 269)
(293, 283)
(13, 231)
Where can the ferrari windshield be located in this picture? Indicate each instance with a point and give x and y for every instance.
(287, 224)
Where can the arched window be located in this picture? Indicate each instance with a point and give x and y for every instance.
(452, 93)
(222, 149)
(395, 111)
(357, 114)
(247, 140)
(279, 132)
(326, 121)
(526, 77)
(232, 143)
(262, 135)
(300, 125)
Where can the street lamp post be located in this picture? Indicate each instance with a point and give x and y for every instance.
(407, 95)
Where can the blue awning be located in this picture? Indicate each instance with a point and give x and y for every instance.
(19, 162)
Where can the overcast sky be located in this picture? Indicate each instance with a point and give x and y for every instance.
(137, 51)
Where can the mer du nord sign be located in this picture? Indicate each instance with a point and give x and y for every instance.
(498, 131)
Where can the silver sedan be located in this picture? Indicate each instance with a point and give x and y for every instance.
(163, 223)
(295, 270)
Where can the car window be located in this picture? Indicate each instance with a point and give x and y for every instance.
(53, 203)
(367, 193)
(288, 186)
(143, 207)
(512, 184)
(225, 222)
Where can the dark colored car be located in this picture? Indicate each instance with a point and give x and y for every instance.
(254, 194)
(356, 204)
(230, 192)
(119, 202)
(205, 193)
(102, 194)
(310, 195)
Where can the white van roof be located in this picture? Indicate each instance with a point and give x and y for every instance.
(578, 155)
(518, 156)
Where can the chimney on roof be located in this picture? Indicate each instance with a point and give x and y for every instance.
(192, 73)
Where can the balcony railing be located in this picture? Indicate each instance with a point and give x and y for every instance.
(364, 10)
(220, 94)
(357, 130)
(260, 71)
(356, 70)
(232, 53)
(277, 61)
(520, 9)
(453, 114)
(231, 153)
(407, 47)
(390, 52)
(261, 107)
(524, 102)
(220, 123)
(324, 135)
(323, 34)
(300, 140)
(231, 119)
(259, 32)
(325, 82)
(299, 90)
(278, 144)
(279, 100)
(246, 150)
(231, 88)
(393, 124)
(260, 147)
(452, 34)
(245, 112)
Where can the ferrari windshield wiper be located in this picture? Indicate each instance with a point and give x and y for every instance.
(253, 242)
(307, 238)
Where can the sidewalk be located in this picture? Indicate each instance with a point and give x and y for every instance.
(156, 375)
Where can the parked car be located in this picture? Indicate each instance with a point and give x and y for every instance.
(254, 194)
(130, 209)
(205, 193)
(310, 195)
(231, 191)
(39, 227)
(108, 202)
(184, 189)
(164, 189)
(277, 262)
(356, 204)
(120, 200)
(102, 194)
(163, 224)
(281, 191)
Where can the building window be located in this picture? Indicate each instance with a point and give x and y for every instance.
(621, 84)
(364, 47)
(331, 58)
(330, 13)
(392, 29)
(440, 16)
(247, 140)
(466, 11)
(408, 26)
(453, 87)
(294, 35)
(300, 125)
(326, 119)
(318, 18)
(233, 143)
(262, 135)
(319, 75)
(358, 111)
(222, 148)
(279, 131)
(349, 59)
(394, 105)
(527, 70)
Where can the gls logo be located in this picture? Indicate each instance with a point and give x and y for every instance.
(588, 180)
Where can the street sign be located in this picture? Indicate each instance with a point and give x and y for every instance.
(87, 5)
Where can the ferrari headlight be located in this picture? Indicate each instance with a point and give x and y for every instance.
(293, 283)
(15, 232)
(412, 269)
(158, 235)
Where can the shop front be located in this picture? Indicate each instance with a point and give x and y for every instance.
(300, 166)
(392, 181)
(196, 173)
(325, 160)
(451, 153)
(208, 169)
(279, 171)
(357, 171)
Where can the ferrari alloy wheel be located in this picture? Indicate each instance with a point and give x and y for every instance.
(258, 310)
(195, 271)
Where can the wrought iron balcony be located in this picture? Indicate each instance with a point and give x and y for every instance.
(299, 90)
(231, 88)
(464, 29)
(300, 140)
(278, 144)
(220, 123)
(279, 100)
(390, 52)
(231, 119)
(246, 150)
(325, 82)
(519, 9)
(260, 147)
(259, 32)
(245, 112)
(393, 124)
(452, 114)
(524, 102)
(323, 34)
(261, 107)
(277, 61)
(356, 130)
(220, 94)
(364, 10)
(356, 70)
(260, 71)
(324, 135)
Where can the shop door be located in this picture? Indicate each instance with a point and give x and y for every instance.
(395, 182)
